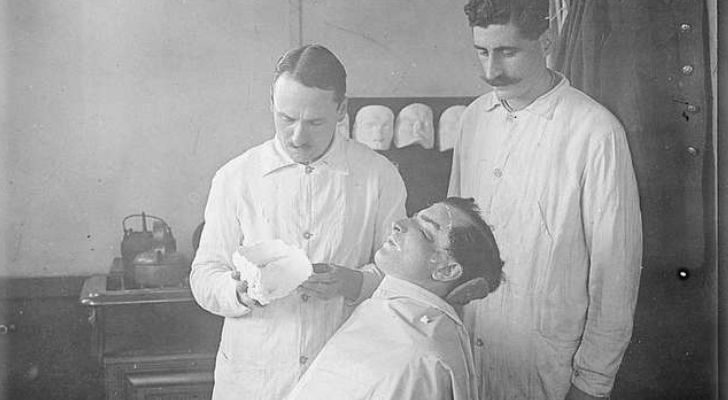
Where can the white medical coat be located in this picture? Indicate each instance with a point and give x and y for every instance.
(555, 181)
(339, 210)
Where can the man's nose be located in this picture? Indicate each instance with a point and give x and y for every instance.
(418, 128)
(400, 226)
(491, 68)
(298, 136)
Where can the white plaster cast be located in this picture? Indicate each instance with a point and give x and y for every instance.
(272, 269)
(414, 126)
(374, 126)
(447, 129)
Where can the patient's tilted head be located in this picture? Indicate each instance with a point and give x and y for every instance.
(342, 127)
(414, 125)
(374, 126)
(447, 130)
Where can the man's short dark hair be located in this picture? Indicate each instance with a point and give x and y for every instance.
(531, 17)
(473, 246)
(314, 66)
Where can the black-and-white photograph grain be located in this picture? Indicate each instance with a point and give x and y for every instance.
(362, 200)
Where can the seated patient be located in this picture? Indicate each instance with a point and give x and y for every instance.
(406, 341)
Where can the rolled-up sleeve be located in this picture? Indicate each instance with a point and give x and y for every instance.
(211, 278)
(613, 232)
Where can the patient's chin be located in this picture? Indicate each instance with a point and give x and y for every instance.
(377, 256)
(381, 259)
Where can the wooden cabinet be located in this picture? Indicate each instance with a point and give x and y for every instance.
(194, 385)
(172, 376)
(44, 340)
(150, 343)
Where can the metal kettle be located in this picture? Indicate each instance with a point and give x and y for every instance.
(135, 242)
(150, 257)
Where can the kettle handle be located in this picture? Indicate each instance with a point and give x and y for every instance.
(144, 217)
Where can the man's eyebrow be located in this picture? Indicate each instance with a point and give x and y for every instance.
(309, 120)
(501, 48)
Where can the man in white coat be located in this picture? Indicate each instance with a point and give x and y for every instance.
(552, 171)
(332, 197)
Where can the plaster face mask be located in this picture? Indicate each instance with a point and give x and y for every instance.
(374, 126)
(447, 131)
(272, 269)
(342, 128)
(414, 125)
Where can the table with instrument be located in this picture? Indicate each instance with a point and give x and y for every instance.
(150, 342)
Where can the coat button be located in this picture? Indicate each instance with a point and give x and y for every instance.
(692, 151)
(309, 169)
(304, 297)
(693, 108)
(686, 27)
(303, 360)
(687, 69)
(497, 172)
(307, 235)
(479, 342)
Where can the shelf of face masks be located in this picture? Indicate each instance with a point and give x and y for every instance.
(425, 171)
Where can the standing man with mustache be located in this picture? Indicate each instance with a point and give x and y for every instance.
(552, 171)
(333, 197)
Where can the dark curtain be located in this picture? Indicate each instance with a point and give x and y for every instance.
(646, 62)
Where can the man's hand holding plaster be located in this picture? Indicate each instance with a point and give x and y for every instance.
(241, 290)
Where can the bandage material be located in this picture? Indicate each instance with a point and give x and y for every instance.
(272, 269)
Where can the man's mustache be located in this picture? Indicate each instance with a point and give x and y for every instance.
(501, 80)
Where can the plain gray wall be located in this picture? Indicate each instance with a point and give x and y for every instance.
(114, 107)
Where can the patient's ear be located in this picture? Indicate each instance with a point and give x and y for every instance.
(448, 272)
